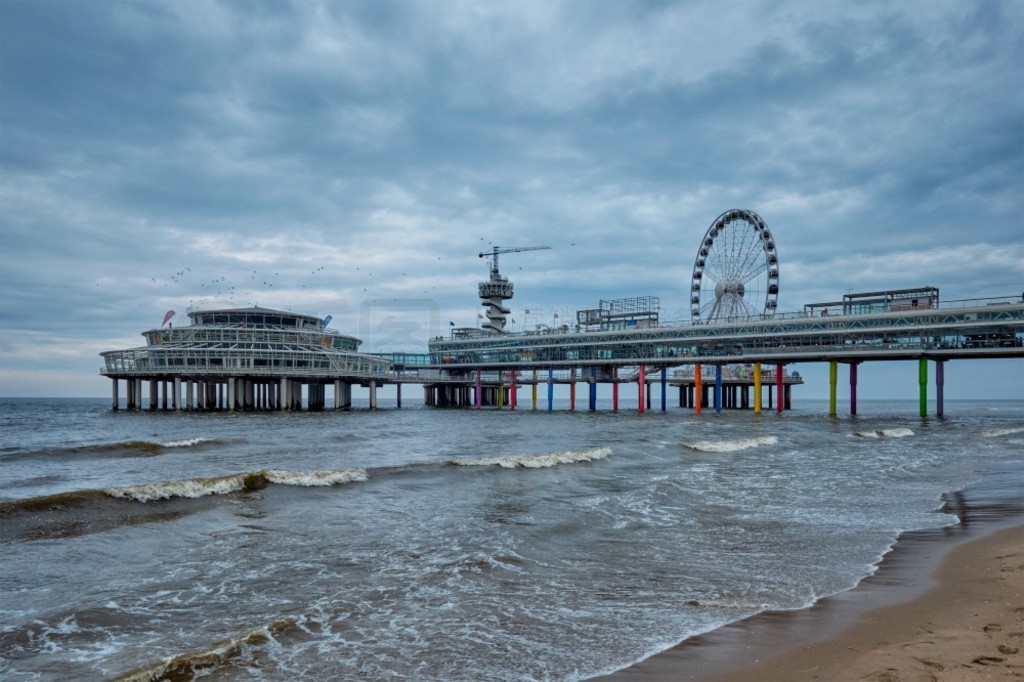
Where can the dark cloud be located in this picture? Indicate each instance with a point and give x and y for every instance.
(319, 155)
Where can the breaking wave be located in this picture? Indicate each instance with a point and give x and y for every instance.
(186, 443)
(731, 445)
(886, 433)
(128, 448)
(536, 461)
(222, 485)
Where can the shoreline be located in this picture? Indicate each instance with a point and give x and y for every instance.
(914, 590)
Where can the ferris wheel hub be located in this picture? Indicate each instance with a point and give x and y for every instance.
(736, 272)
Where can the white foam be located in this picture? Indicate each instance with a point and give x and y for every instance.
(316, 478)
(187, 443)
(997, 433)
(223, 485)
(886, 433)
(537, 461)
(732, 445)
(192, 488)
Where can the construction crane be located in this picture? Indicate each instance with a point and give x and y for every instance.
(498, 289)
(493, 254)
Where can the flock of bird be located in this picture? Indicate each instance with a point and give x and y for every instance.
(222, 289)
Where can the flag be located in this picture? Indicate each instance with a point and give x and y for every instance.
(169, 315)
(479, 316)
(527, 311)
(327, 321)
(556, 316)
(451, 324)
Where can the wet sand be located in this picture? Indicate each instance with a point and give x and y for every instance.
(945, 606)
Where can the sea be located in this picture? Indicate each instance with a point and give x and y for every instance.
(452, 544)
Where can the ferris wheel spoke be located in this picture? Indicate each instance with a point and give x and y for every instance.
(734, 275)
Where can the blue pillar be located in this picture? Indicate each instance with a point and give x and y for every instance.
(551, 389)
(593, 389)
(664, 387)
(718, 388)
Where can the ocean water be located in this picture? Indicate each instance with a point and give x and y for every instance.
(444, 544)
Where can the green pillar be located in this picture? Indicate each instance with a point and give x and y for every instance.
(833, 374)
(922, 380)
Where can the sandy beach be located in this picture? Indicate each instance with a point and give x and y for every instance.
(913, 621)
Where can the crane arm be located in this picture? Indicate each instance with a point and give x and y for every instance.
(515, 249)
(493, 253)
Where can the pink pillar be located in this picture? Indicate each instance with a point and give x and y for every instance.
(615, 389)
(572, 389)
(779, 401)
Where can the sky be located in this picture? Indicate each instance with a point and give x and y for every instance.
(354, 158)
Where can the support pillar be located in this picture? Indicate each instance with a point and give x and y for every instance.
(153, 386)
(551, 390)
(593, 390)
(833, 374)
(779, 398)
(642, 388)
(664, 388)
(398, 396)
(615, 389)
(572, 389)
(115, 401)
(479, 389)
(373, 394)
(698, 394)
(939, 381)
(190, 395)
(533, 392)
(922, 380)
(512, 390)
(718, 388)
(853, 388)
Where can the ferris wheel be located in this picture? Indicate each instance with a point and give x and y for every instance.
(736, 273)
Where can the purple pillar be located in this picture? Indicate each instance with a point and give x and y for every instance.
(779, 398)
(853, 388)
(939, 381)
(478, 389)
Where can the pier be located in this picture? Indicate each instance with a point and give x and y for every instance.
(735, 352)
(251, 359)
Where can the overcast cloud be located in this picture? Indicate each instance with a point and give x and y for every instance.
(352, 158)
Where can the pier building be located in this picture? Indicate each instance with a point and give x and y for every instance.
(244, 358)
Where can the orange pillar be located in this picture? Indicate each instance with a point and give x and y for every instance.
(698, 390)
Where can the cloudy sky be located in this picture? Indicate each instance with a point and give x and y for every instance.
(353, 158)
